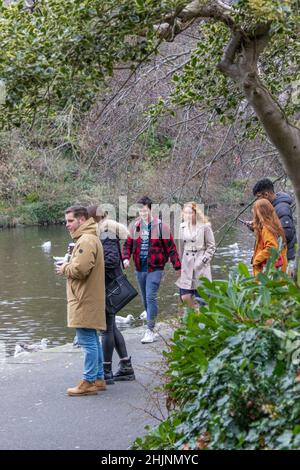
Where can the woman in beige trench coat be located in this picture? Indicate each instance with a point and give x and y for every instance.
(196, 249)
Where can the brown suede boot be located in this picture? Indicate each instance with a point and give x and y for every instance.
(100, 384)
(83, 388)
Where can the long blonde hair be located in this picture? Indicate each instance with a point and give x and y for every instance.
(201, 218)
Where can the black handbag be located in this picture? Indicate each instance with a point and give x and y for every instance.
(119, 292)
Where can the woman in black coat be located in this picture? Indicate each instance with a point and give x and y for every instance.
(109, 232)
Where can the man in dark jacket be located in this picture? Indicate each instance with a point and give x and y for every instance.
(151, 244)
(282, 204)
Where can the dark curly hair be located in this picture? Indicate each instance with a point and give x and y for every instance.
(263, 185)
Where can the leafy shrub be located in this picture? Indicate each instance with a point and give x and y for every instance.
(247, 399)
(32, 197)
(232, 382)
(42, 212)
(156, 145)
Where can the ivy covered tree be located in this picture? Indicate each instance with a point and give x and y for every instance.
(54, 53)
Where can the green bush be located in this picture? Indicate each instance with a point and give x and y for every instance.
(231, 379)
(158, 146)
(32, 197)
(42, 212)
(247, 399)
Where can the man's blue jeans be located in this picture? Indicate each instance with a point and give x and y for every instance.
(149, 284)
(88, 340)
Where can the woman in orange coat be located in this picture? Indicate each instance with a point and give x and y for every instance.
(267, 229)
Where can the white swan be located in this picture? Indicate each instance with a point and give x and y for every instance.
(124, 320)
(143, 315)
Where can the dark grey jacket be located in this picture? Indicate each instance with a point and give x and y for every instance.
(282, 205)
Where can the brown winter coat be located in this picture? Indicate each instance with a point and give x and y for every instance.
(196, 251)
(85, 280)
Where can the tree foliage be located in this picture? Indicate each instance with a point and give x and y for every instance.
(61, 52)
(201, 82)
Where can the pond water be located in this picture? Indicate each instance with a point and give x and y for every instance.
(33, 297)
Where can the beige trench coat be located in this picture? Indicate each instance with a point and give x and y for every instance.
(85, 280)
(196, 250)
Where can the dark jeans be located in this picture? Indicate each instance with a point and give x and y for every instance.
(149, 283)
(112, 339)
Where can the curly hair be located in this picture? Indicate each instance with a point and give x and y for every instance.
(262, 186)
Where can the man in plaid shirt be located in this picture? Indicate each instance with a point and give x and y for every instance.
(151, 244)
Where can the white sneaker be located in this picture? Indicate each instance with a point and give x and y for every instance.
(156, 333)
(149, 337)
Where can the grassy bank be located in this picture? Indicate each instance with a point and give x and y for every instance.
(42, 173)
(59, 162)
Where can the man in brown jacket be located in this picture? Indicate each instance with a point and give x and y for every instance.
(86, 297)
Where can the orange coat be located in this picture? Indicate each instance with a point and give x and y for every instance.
(261, 255)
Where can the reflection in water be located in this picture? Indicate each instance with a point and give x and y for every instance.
(32, 296)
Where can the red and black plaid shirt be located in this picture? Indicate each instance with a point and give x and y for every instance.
(161, 246)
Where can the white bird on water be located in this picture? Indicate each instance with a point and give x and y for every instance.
(46, 246)
(19, 350)
(23, 347)
(124, 320)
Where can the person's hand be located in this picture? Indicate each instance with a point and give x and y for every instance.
(126, 263)
(291, 268)
(249, 225)
(178, 272)
(59, 269)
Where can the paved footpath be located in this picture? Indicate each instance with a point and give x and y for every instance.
(36, 413)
